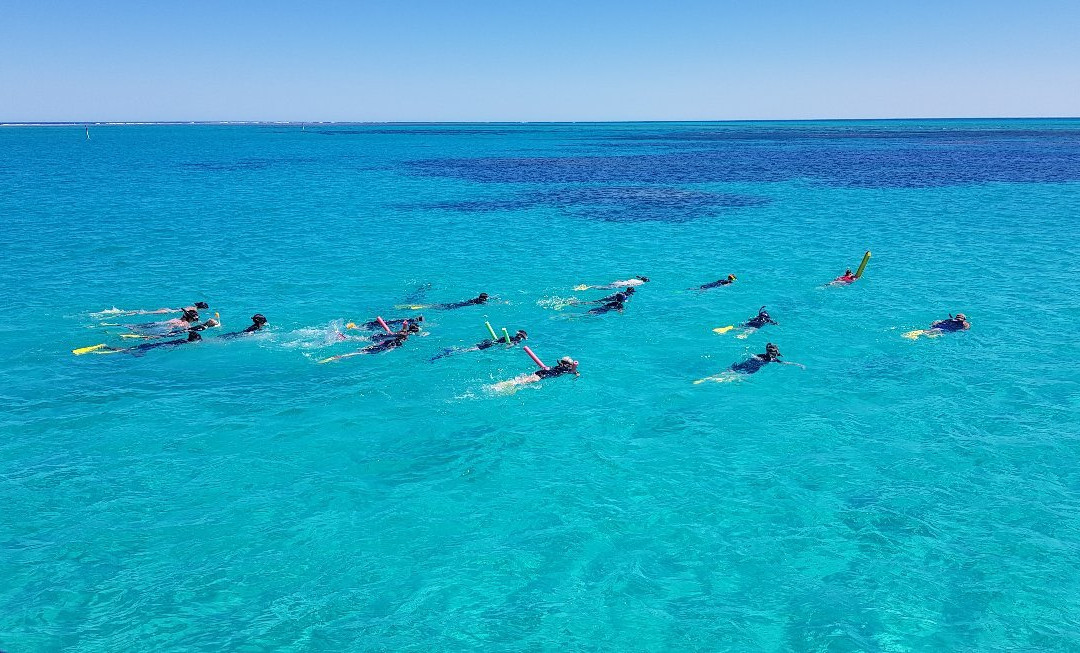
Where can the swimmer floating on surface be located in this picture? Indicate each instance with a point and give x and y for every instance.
(616, 304)
(749, 366)
(753, 324)
(566, 365)
(258, 321)
(479, 299)
(119, 312)
(392, 341)
(484, 344)
(731, 278)
(848, 278)
(627, 283)
(374, 325)
(941, 327)
(138, 350)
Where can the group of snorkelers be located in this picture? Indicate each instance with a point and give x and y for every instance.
(184, 330)
(187, 329)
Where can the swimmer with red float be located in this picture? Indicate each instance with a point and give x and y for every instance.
(847, 278)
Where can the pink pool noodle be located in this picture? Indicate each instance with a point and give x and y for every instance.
(535, 359)
(381, 322)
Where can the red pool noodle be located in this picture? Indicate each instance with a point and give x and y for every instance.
(379, 318)
(535, 359)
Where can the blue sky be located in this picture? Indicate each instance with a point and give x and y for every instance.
(553, 60)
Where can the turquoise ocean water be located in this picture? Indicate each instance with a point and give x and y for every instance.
(895, 495)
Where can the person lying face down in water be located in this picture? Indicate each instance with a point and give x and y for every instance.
(566, 365)
(374, 325)
(847, 277)
(186, 322)
(759, 320)
(751, 365)
(408, 327)
(941, 327)
(161, 311)
(391, 342)
(139, 350)
(957, 323)
(258, 321)
(617, 304)
(625, 283)
(731, 278)
(479, 299)
(484, 344)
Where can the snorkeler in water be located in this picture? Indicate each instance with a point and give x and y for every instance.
(847, 277)
(566, 365)
(626, 283)
(616, 304)
(390, 342)
(187, 321)
(959, 322)
(610, 298)
(731, 278)
(139, 350)
(407, 327)
(479, 299)
(483, 344)
(118, 312)
(258, 321)
(374, 325)
(761, 319)
(751, 365)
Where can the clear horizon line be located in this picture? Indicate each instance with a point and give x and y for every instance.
(68, 123)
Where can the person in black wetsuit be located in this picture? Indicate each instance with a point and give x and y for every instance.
(616, 304)
(407, 327)
(731, 278)
(188, 319)
(610, 298)
(374, 325)
(479, 299)
(258, 321)
(566, 365)
(957, 323)
(759, 320)
(484, 344)
(139, 350)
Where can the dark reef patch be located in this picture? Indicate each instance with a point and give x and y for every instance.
(612, 203)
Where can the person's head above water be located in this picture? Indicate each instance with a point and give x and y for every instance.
(772, 352)
(731, 277)
(960, 317)
(521, 335)
(258, 319)
(482, 296)
(202, 306)
(641, 278)
(629, 291)
(190, 315)
(567, 362)
(847, 272)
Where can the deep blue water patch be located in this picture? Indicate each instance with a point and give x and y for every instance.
(853, 158)
(611, 203)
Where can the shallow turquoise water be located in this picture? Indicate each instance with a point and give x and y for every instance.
(896, 495)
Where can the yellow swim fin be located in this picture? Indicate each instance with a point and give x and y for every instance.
(581, 287)
(723, 329)
(412, 307)
(351, 325)
(86, 350)
(914, 335)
